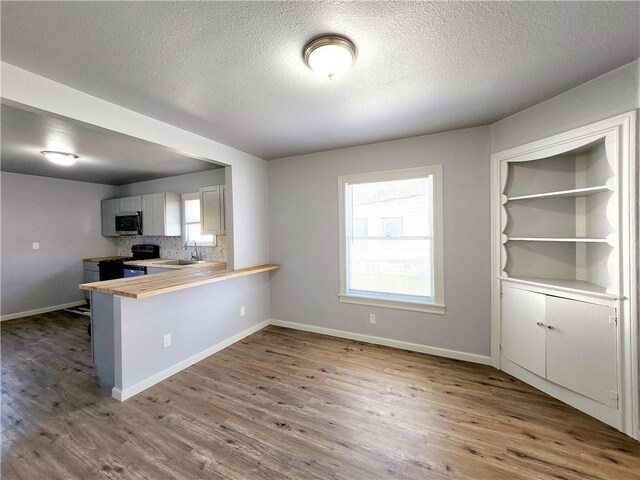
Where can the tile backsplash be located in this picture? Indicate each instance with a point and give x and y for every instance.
(173, 247)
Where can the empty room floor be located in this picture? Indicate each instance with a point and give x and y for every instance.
(289, 404)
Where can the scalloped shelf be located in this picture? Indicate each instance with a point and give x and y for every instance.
(556, 239)
(576, 192)
(576, 286)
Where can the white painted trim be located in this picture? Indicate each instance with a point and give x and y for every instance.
(413, 347)
(37, 311)
(397, 305)
(597, 410)
(624, 127)
(123, 394)
(437, 240)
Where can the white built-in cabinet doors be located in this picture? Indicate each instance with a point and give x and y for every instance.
(570, 343)
(523, 329)
(581, 348)
(131, 204)
(161, 214)
(109, 209)
(212, 210)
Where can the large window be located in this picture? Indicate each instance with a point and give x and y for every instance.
(191, 228)
(391, 239)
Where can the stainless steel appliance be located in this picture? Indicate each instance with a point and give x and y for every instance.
(129, 223)
(111, 269)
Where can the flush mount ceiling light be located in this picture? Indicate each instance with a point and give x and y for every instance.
(330, 55)
(60, 158)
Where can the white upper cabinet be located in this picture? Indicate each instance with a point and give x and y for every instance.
(161, 214)
(131, 204)
(212, 210)
(109, 209)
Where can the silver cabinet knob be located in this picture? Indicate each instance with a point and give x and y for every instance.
(540, 324)
(550, 327)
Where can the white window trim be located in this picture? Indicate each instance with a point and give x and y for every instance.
(437, 305)
(185, 197)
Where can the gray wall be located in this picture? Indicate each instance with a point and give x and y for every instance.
(303, 238)
(606, 96)
(64, 217)
(188, 183)
(197, 319)
(303, 217)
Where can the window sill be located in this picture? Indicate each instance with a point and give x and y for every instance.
(436, 308)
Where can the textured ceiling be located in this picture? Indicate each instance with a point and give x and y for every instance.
(105, 156)
(232, 71)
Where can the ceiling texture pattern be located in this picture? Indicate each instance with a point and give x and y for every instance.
(105, 156)
(233, 71)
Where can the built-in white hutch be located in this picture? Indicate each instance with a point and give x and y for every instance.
(564, 263)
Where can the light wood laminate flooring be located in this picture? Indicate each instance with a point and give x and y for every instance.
(291, 405)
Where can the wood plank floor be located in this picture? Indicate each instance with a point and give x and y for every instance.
(289, 404)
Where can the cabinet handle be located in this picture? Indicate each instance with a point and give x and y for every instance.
(550, 327)
(540, 324)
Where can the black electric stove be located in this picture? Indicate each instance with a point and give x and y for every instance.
(112, 269)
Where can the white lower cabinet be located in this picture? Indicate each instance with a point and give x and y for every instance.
(581, 348)
(568, 342)
(523, 330)
(91, 274)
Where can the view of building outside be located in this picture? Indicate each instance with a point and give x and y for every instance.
(389, 239)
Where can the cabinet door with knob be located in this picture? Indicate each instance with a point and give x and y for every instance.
(523, 329)
(568, 342)
(212, 210)
(581, 348)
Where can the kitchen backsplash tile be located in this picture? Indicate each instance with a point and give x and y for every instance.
(173, 247)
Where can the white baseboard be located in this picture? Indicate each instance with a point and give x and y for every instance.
(37, 311)
(128, 392)
(608, 415)
(414, 347)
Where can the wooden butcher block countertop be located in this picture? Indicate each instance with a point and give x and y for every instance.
(171, 281)
(160, 263)
(100, 259)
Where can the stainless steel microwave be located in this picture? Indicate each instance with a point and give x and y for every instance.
(129, 223)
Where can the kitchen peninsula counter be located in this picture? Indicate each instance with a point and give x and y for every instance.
(171, 281)
(145, 329)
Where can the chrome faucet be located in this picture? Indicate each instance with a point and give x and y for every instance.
(195, 255)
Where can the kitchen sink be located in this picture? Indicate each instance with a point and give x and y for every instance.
(182, 262)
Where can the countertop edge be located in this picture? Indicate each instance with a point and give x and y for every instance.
(100, 259)
(216, 276)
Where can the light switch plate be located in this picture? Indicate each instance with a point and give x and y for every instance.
(167, 340)
(36, 246)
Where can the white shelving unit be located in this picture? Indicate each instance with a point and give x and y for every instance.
(564, 263)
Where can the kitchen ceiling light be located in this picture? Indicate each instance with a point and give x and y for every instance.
(330, 55)
(60, 158)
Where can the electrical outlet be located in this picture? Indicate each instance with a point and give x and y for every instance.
(242, 311)
(36, 246)
(167, 340)
(372, 318)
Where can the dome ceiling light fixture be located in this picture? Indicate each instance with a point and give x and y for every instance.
(330, 55)
(60, 158)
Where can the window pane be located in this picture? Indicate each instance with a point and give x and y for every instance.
(407, 202)
(193, 233)
(400, 267)
(389, 243)
(360, 227)
(392, 227)
(192, 210)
